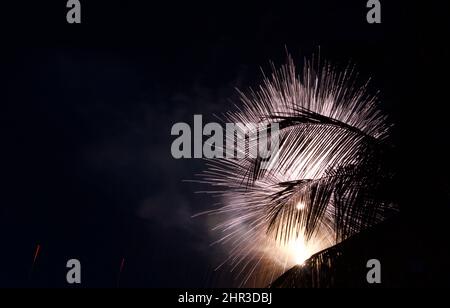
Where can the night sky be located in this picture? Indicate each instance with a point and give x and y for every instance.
(86, 113)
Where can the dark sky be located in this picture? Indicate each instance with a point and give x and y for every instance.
(87, 111)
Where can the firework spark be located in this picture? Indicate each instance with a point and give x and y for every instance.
(35, 257)
(36, 253)
(122, 265)
(323, 184)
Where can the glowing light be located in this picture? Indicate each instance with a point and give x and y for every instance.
(298, 251)
(300, 206)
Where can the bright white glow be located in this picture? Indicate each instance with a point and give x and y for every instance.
(298, 251)
(300, 206)
(301, 253)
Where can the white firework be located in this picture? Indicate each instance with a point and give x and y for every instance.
(324, 181)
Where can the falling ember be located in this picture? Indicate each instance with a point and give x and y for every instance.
(122, 265)
(36, 253)
(323, 177)
(35, 257)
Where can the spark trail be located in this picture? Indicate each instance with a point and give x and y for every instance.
(35, 257)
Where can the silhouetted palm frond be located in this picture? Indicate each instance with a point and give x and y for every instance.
(326, 180)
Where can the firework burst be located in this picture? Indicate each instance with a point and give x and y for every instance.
(324, 183)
